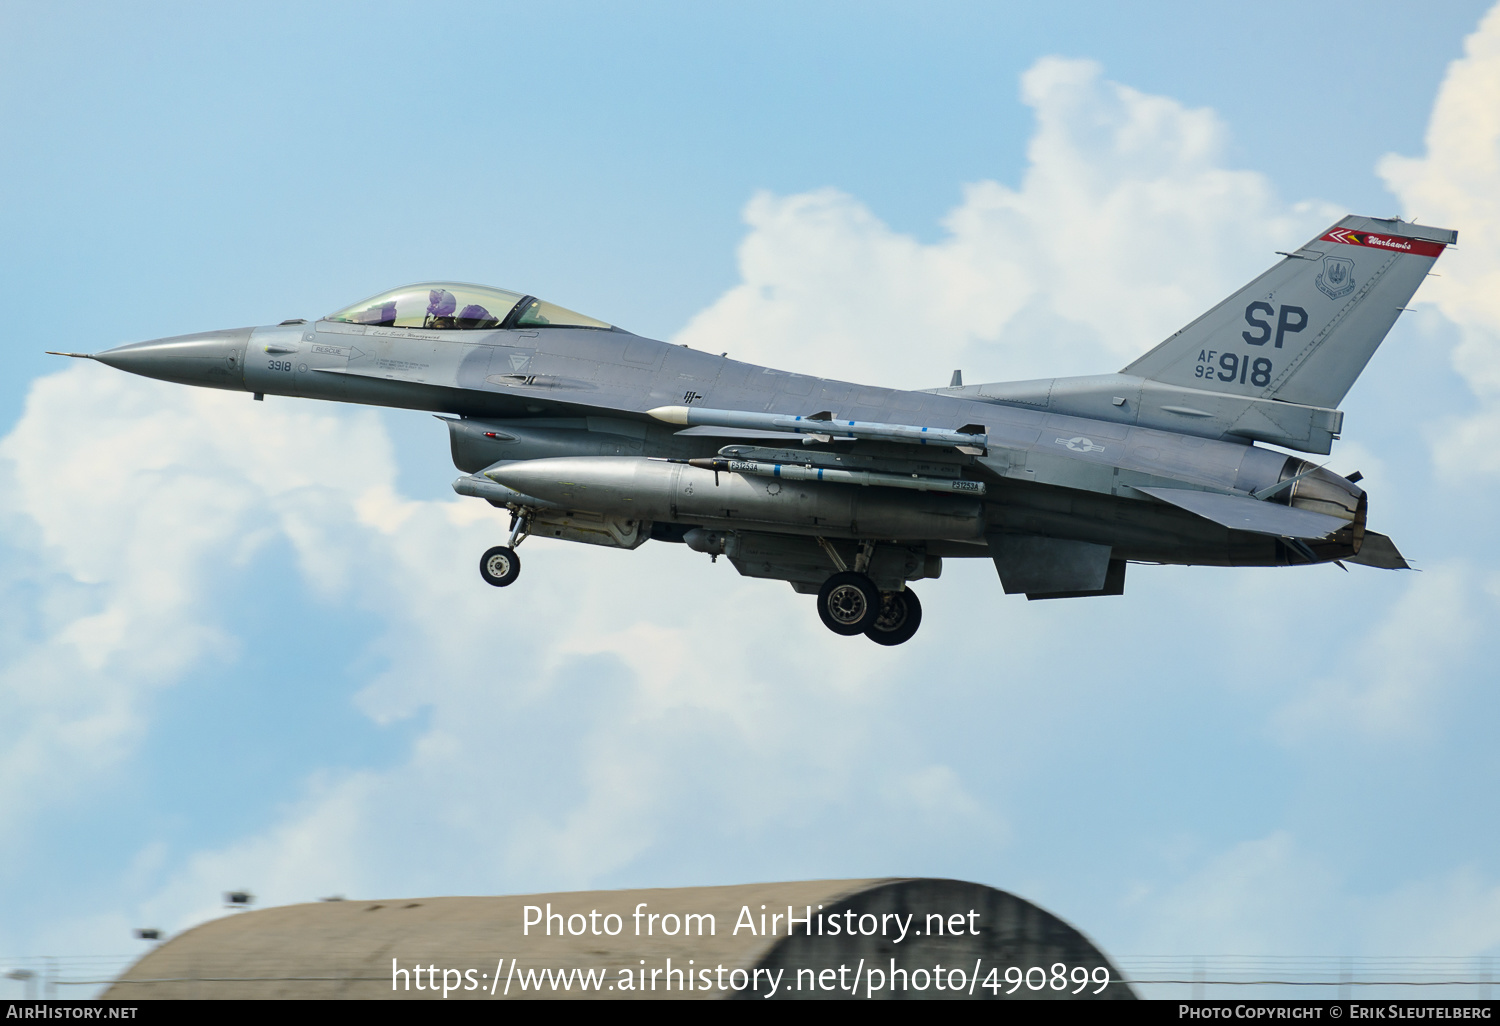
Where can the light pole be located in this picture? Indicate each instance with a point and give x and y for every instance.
(27, 976)
(238, 900)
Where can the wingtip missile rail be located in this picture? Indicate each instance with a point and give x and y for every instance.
(693, 416)
(833, 475)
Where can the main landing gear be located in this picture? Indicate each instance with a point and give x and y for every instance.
(850, 604)
(900, 616)
(500, 565)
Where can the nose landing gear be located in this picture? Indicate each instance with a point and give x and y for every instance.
(500, 565)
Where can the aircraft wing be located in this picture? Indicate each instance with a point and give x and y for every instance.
(1243, 513)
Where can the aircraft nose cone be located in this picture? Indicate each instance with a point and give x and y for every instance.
(212, 358)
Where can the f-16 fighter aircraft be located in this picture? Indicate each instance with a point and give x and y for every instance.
(589, 433)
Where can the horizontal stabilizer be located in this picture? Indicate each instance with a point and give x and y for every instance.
(1243, 513)
(1380, 552)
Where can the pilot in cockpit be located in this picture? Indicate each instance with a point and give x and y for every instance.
(455, 306)
(440, 306)
(476, 316)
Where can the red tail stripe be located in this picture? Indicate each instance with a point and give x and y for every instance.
(1389, 243)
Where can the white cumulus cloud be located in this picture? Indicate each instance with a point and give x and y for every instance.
(127, 540)
(646, 716)
(1456, 184)
(1125, 226)
(571, 726)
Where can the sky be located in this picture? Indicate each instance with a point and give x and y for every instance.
(244, 645)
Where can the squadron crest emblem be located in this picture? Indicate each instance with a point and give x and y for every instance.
(1336, 279)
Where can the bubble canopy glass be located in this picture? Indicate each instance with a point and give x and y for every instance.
(455, 306)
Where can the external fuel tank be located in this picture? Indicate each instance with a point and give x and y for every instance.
(658, 490)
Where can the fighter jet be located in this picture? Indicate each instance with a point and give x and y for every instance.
(588, 433)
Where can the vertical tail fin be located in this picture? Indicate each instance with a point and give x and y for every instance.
(1303, 331)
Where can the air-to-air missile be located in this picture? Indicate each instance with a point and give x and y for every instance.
(835, 475)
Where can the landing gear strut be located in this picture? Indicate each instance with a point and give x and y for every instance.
(500, 565)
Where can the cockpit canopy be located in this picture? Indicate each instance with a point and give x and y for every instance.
(457, 307)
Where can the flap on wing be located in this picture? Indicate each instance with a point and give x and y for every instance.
(1380, 552)
(1243, 513)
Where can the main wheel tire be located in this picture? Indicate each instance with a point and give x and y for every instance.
(900, 616)
(499, 566)
(848, 603)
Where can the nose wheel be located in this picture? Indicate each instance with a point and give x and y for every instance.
(500, 565)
